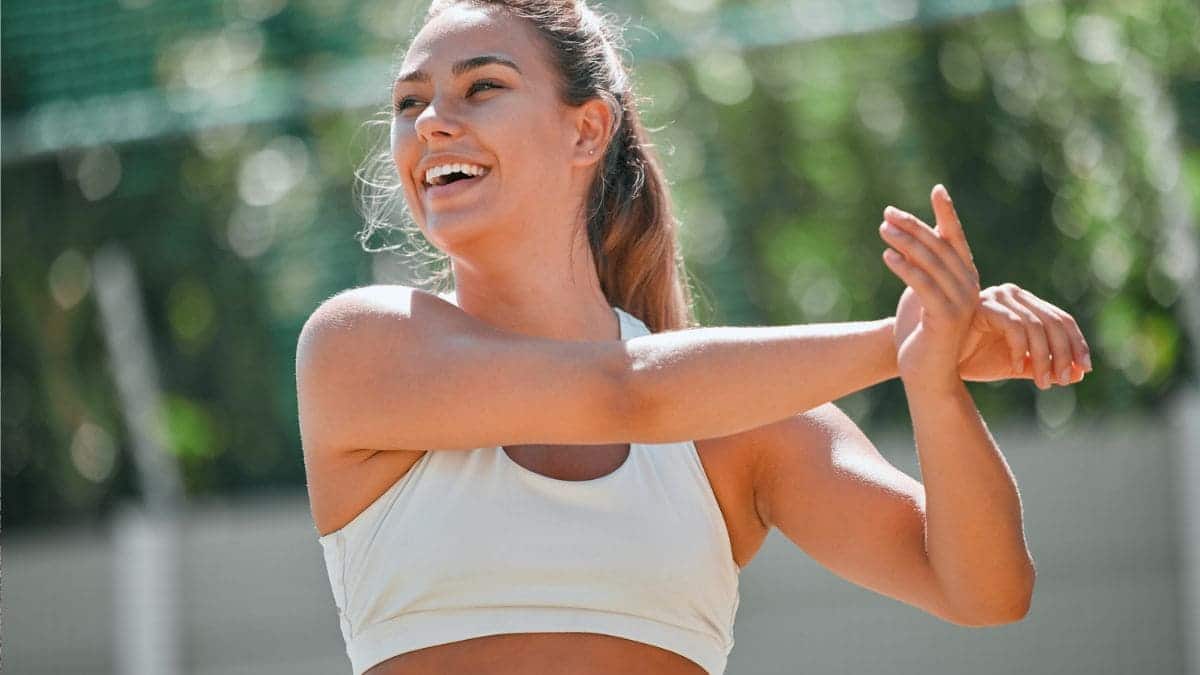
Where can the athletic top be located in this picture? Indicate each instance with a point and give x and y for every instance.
(470, 543)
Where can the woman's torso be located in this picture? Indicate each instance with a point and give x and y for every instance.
(342, 485)
(347, 484)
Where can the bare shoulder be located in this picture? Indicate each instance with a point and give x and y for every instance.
(348, 309)
(343, 313)
(341, 484)
(346, 342)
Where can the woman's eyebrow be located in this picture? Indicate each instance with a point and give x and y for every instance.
(460, 67)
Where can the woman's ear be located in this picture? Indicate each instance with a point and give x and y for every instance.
(593, 127)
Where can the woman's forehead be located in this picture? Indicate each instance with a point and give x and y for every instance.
(464, 30)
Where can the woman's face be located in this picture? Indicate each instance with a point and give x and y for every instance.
(476, 89)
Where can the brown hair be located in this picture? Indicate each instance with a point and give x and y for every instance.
(631, 228)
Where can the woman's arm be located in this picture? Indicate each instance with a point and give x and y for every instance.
(823, 484)
(711, 382)
(390, 368)
(954, 545)
(974, 534)
(393, 368)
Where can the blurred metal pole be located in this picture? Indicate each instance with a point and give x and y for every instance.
(146, 568)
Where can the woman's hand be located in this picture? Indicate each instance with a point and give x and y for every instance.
(995, 328)
(1016, 334)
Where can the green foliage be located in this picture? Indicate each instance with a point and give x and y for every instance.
(1050, 125)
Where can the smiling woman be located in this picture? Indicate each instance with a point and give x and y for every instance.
(515, 104)
(504, 477)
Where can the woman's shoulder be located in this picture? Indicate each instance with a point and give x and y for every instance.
(379, 300)
(384, 293)
(378, 311)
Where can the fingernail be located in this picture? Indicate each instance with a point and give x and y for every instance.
(1087, 361)
(891, 211)
(1064, 376)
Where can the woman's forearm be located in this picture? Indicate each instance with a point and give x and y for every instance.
(717, 381)
(974, 535)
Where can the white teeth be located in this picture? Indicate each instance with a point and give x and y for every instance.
(433, 174)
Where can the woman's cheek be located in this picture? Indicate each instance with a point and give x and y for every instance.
(394, 136)
(403, 138)
(400, 150)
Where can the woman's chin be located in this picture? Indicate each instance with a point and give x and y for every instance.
(450, 232)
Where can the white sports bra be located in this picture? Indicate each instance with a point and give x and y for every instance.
(469, 543)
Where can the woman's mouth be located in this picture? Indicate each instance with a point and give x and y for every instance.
(453, 185)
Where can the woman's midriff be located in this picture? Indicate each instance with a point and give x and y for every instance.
(534, 653)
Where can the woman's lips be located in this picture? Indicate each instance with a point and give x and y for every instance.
(441, 192)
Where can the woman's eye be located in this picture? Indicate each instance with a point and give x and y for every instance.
(408, 101)
(482, 84)
(404, 104)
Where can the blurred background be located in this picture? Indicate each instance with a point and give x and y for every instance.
(178, 196)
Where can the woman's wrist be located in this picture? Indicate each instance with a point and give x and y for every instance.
(933, 384)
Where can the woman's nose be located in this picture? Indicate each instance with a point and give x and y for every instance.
(436, 120)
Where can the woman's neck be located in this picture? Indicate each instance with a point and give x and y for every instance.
(558, 302)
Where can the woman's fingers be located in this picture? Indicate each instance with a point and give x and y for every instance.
(1001, 318)
(916, 240)
(1081, 353)
(950, 227)
(923, 285)
(1066, 341)
(1035, 331)
(924, 259)
(1058, 353)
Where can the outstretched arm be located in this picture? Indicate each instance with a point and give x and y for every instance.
(391, 368)
(711, 382)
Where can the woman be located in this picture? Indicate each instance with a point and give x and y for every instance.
(504, 479)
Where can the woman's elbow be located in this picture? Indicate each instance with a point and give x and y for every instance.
(1003, 609)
